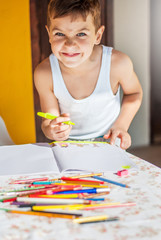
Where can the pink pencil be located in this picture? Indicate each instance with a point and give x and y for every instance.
(28, 180)
(110, 206)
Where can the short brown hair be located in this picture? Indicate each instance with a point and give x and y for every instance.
(59, 8)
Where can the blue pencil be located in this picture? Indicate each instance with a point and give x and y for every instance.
(110, 181)
(93, 190)
(46, 182)
(96, 199)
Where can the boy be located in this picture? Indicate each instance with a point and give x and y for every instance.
(81, 80)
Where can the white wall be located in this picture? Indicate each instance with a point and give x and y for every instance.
(132, 36)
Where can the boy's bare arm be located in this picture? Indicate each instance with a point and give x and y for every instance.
(132, 97)
(53, 129)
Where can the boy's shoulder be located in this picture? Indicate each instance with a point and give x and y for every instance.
(43, 67)
(121, 64)
(120, 59)
(42, 74)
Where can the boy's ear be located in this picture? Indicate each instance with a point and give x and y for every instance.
(48, 32)
(99, 34)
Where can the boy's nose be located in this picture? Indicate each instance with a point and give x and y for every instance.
(69, 42)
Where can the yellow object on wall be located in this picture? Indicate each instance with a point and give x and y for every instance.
(16, 86)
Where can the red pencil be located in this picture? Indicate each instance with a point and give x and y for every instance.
(9, 200)
(81, 180)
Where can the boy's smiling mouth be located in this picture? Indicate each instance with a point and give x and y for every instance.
(70, 54)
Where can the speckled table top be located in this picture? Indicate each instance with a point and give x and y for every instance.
(142, 221)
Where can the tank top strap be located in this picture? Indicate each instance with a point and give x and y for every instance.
(56, 76)
(104, 78)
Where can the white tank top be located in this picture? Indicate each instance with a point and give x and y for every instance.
(95, 114)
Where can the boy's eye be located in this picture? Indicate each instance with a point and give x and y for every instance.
(59, 34)
(81, 34)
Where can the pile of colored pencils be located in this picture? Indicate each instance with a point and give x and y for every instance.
(62, 198)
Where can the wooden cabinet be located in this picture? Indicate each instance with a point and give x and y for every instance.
(155, 62)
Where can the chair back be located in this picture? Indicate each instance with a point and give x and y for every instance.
(5, 138)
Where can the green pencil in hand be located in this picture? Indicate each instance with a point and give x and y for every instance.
(51, 116)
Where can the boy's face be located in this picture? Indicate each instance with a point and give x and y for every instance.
(72, 41)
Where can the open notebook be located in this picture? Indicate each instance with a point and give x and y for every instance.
(64, 156)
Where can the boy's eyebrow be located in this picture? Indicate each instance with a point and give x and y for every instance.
(84, 29)
(56, 29)
(79, 30)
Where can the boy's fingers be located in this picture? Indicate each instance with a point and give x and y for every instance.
(64, 134)
(60, 120)
(112, 141)
(114, 135)
(61, 128)
(61, 135)
(125, 142)
(107, 135)
(65, 115)
(111, 134)
(125, 138)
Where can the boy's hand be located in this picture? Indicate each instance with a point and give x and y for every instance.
(113, 133)
(58, 130)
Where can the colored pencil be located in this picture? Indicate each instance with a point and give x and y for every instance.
(60, 196)
(9, 192)
(88, 185)
(37, 191)
(9, 200)
(26, 192)
(52, 200)
(3, 198)
(94, 190)
(99, 221)
(81, 180)
(62, 211)
(87, 175)
(23, 181)
(45, 207)
(50, 184)
(110, 181)
(45, 182)
(95, 195)
(89, 219)
(11, 208)
(44, 214)
(95, 206)
(112, 205)
(71, 183)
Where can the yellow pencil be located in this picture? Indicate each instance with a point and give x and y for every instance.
(82, 184)
(87, 175)
(62, 196)
(89, 219)
(102, 205)
(87, 184)
(90, 206)
(41, 208)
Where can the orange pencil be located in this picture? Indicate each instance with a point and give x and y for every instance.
(44, 214)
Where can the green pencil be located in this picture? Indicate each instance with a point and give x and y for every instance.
(51, 116)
